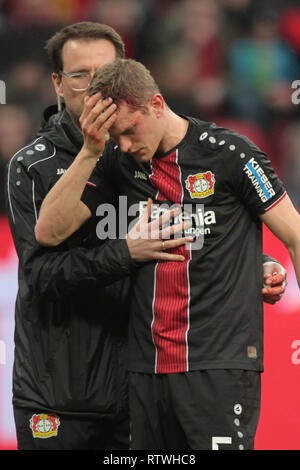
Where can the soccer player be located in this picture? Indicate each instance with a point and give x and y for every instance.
(69, 380)
(196, 327)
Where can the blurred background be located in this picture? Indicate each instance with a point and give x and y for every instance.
(233, 62)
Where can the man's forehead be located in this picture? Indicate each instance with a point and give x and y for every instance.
(84, 53)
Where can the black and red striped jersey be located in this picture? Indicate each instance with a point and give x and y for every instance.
(207, 311)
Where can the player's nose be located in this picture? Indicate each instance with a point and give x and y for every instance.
(125, 144)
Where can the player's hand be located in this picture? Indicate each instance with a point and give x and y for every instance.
(275, 282)
(96, 119)
(149, 241)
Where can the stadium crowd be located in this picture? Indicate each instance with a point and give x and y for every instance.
(233, 62)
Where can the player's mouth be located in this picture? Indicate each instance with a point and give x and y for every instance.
(142, 155)
(137, 153)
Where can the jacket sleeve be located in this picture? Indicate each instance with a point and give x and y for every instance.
(58, 271)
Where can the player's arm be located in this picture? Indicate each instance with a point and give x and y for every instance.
(56, 272)
(62, 212)
(254, 181)
(284, 221)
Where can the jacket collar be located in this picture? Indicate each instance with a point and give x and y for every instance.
(57, 126)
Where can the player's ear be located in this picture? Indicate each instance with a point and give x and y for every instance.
(158, 104)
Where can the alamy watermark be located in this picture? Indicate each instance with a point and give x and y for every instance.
(189, 220)
(296, 93)
(2, 92)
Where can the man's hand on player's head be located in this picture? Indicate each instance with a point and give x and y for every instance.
(96, 119)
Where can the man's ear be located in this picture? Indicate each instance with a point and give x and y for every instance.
(56, 79)
(158, 104)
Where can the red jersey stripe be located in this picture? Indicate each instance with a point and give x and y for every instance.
(171, 292)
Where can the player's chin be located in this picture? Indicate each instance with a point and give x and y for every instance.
(143, 157)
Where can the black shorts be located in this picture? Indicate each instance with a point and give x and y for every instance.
(40, 430)
(200, 410)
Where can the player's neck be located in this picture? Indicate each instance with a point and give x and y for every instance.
(175, 131)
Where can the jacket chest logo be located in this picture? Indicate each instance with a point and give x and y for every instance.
(44, 426)
(201, 185)
(60, 171)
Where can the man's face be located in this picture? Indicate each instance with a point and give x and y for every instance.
(81, 55)
(137, 131)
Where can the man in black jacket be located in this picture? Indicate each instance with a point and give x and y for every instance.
(70, 387)
(69, 381)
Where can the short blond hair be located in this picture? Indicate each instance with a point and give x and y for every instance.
(124, 80)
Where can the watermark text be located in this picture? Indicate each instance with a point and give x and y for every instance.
(2, 92)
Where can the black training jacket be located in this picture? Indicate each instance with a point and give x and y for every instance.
(71, 311)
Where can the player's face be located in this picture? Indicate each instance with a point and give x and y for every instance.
(137, 131)
(80, 55)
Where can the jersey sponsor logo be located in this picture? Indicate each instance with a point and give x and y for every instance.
(259, 180)
(44, 426)
(60, 171)
(200, 185)
(198, 221)
(200, 218)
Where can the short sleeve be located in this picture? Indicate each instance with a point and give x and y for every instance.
(251, 175)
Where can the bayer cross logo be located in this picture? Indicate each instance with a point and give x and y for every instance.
(44, 426)
(201, 185)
